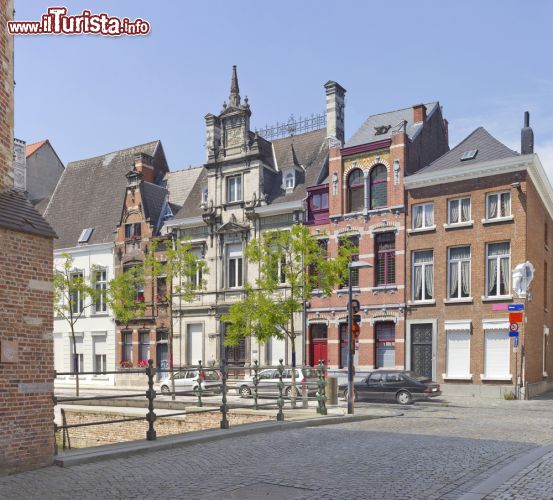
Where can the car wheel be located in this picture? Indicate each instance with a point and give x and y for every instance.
(403, 398)
(289, 391)
(165, 389)
(245, 391)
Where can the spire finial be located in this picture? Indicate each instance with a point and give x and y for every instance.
(234, 98)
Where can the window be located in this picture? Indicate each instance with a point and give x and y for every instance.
(498, 269)
(423, 216)
(161, 286)
(85, 235)
(133, 231)
(458, 211)
(496, 355)
(379, 187)
(100, 285)
(143, 346)
(313, 269)
(498, 205)
(289, 180)
(458, 283)
(385, 345)
(318, 206)
(234, 266)
(78, 363)
(385, 254)
(205, 194)
(457, 353)
(356, 191)
(100, 363)
(234, 188)
(469, 155)
(75, 296)
(423, 275)
(126, 351)
(139, 287)
(197, 277)
(354, 241)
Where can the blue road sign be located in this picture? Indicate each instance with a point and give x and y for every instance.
(513, 334)
(516, 342)
(515, 307)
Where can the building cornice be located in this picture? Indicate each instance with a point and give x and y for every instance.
(190, 221)
(280, 208)
(84, 248)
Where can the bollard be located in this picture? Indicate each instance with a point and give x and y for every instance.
(255, 383)
(200, 380)
(321, 397)
(280, 401)
(150, 395)
(224, 407)
(304, 394)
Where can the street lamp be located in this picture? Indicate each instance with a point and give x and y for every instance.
(357, 264)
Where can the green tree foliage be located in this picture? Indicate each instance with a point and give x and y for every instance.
(122, 295)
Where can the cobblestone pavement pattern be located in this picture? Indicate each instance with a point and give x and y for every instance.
(430, 452)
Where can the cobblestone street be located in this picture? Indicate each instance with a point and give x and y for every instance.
(429, 452)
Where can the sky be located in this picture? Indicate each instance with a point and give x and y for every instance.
(486, 62)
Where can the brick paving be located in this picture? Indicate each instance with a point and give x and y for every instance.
(430, 452)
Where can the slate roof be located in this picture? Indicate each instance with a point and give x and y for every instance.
(180, 182)
(90, 193)
(191, 206)
(367, 133)
(42, 204)
(19, 214)
(153, 199)
(33, 148)
(489, 148)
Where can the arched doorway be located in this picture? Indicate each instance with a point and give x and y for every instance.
(318, 343)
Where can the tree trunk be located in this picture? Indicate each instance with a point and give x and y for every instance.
(170, 314)
(74, 361)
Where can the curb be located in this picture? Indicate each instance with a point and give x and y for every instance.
(121, 450)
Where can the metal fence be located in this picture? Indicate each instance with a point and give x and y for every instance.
(256, 397)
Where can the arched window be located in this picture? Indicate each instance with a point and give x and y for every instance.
(379, 187)
(355, 191)
(289, 181)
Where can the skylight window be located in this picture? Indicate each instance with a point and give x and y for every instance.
(469, 155)
(382, 129)
(86, 234)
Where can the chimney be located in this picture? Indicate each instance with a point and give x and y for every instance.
(419, 113)
(446, 129)
(212, 136)
(335, 103)
(526, 136)
(144, 164)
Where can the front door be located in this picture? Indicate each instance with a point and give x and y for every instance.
(319, 346)
(236, 358)
(421, 349)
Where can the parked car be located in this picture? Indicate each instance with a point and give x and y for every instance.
(268, 382)
(403, 386)
(187, 380)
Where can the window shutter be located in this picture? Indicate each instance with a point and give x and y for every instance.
(496, 360)
(458, 354)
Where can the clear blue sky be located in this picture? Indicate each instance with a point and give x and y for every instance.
(485, 61)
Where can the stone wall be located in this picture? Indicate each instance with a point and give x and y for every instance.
(96, 435)
(6, 97)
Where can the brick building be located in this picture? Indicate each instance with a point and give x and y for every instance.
(361, 197)
(473, 215)
(26, 354)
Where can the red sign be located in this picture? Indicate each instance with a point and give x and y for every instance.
(515, 317)
(514, 327)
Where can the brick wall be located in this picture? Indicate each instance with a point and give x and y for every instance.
(26, 386)
(96, 435)
(6, 97)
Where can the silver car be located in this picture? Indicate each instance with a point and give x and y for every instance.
(269, 378)
(187, 380)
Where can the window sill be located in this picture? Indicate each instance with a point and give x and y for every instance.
(383, 288)
(233, 203)
(468, 376)
(498, 219)
(464, 300)
(354, 289)
(422, 303)
(426, 229)
(498, 378)
(459, 225)
(498, 298)
(100, 315)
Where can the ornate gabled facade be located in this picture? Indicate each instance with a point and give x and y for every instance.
(247, 185)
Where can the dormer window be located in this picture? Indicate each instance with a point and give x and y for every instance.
(204, 196)
(133, 178)
(289, 180)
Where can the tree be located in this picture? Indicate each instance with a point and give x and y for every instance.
(73, 294)
(122, 295)
(292, 264)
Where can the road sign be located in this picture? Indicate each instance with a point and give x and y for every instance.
(513, 334)
(516, 342)
(515, 307)
(515, 317)
(513, 327)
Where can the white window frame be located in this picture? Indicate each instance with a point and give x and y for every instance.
(238, 269)
(237, 195)
(289, 180)
(80, 300)
(499, 216)
(102, 358)
(425, 207)
(101, 286)
(498, 272)
(459, 202)
(459, 262)
(423, 299)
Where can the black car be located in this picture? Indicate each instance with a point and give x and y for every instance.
(404, 387)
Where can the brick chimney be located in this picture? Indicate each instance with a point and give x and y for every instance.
(6, 98)
(144, 164)
(526, 136)
(419, 113)
(335, 103)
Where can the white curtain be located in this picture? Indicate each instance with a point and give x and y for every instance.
(418, 282)
(454, 211)
(492, 206)
(465, 279)
(465, 209)
(417, 217)
(504, 278)
(423, 259)
(459, 257)
(503, 251)
(505, 204)
(492, 276)
(429, 215)
(453, 279)
(429, 280)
